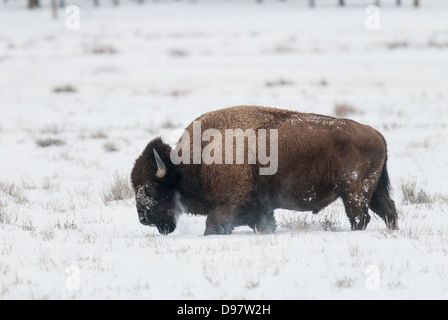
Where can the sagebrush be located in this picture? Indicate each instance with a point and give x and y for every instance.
(119, 189)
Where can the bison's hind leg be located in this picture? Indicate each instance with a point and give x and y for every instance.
(356, 208)
(356, 198)
(384, 206)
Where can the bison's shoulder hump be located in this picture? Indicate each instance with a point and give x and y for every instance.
(244, 117)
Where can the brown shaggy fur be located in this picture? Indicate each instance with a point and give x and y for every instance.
(320, 159)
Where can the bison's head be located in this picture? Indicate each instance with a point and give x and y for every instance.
(154, 181)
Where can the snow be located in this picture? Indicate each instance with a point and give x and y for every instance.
(147, 201)
(140, 71)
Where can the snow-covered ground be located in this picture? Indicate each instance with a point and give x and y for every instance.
(78, 106)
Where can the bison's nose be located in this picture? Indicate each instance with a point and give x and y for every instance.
(166, 228)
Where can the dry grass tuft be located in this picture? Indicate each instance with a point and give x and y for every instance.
(7, 217)
(14, 191)
(345, 282)
(110, 146)
(103, 49)
(417, 195)
(414, 195)
(65, 89)
(344, 109)
(178, 53)
(397, 44)
(296, 223)
(99, 134)
(50, 142)
(279, 83)
(119, 189)
(169, 124)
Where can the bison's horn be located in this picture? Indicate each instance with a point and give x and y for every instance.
(161, 168)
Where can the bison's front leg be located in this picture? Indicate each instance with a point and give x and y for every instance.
(265, 223)
(222, 220)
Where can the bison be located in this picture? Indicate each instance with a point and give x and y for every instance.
(316, 159)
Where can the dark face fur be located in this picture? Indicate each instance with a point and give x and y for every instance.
(155, 194)
(155, 207)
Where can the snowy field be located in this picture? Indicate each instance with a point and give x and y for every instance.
(78, 106)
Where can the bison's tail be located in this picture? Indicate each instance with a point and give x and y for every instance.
(384, 188)
(381, 202)
(384, 183)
